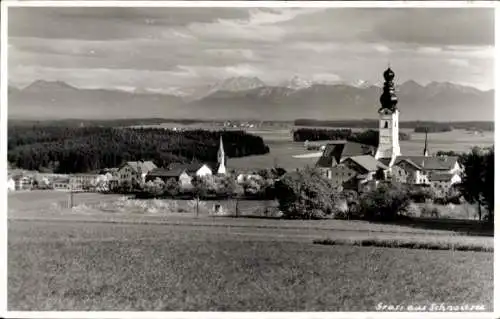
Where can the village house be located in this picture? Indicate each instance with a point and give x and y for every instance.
(83, 182)
(441, 183)
(61, 184)
(418, 169)
(353, 172)
(135, 171)
(11, 184)
(23, 182)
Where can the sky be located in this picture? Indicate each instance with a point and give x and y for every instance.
(167, 48)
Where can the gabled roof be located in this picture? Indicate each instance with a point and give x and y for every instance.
(144, 166)
(336, 151)
(61, 180)
(408, 161)
(355, 149)
(430, 162)
(440, 177)
(192, 167)
(367, 162)
(162, 172)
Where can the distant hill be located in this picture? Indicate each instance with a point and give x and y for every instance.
(56, 100)
(250, 98)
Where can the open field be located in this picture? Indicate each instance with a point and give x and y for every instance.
(103, 266)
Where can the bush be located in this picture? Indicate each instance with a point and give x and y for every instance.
(430, 211)
(386, 202)
(413, 210)
(421, 194)
(305, 194)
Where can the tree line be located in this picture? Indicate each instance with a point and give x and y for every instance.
(373, 123)
(368, 137)
(85, 149)
(434, 129)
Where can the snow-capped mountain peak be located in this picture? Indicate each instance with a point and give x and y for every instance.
(239, 83)
(297, 83)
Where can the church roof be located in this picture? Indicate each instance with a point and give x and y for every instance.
(430, 162)
(367, 162)
(337, 151)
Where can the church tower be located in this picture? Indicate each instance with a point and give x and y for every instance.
(388, 143)
(426, 150)
(221, 159)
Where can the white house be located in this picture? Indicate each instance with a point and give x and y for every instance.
(23, 182)
(11, 184)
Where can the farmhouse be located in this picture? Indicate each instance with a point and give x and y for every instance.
(349, 163)
(23, 182)
(82, 182)
(135, 171)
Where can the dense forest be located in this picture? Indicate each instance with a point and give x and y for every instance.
(84, 149)
(369, 137)
(472, 125)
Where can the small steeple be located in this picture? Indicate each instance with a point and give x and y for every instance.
(426, 151)
(221, 158)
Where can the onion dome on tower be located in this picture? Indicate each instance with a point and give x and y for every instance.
(388, 99)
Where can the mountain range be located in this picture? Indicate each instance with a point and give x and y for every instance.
(251, 98)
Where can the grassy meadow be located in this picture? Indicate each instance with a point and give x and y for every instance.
(112, 266)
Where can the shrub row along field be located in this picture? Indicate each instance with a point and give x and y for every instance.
(369, 137)
(406, 243)
(82, 149)
(79, 266)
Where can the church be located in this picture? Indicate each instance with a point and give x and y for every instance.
(358, 166)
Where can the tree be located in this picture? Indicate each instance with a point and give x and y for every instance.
(278, 172)
(385, 202)
(252, 186)
(473, 178)
(488, 190)
(155, 187)
(171, 187)
(226, 186)
(305, 194)
(126, 187)
(200, 190)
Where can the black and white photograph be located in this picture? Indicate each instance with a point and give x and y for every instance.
(249, 156)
